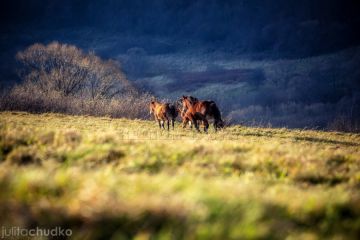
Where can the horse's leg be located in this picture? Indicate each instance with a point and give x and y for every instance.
(173, 123)
(157, 120)
(215, 125)
(206, 125)
(196, 125)
(185, 121)
(168, 124)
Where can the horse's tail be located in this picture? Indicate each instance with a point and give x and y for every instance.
(215, 111)
(173, 111)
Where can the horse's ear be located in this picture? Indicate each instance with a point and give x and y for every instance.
(193, 98)
(184, 97)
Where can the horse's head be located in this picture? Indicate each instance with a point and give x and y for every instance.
(220, 124)
(152, 106)
(192, 99)
(186, 103)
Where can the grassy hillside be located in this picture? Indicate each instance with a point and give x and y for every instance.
(119, 179)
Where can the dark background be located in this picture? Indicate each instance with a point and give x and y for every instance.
(290, 63)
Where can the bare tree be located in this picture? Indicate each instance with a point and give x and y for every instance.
(106, 79)
(67, 70)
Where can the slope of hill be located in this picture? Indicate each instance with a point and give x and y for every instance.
(311, 92)
(120, 179)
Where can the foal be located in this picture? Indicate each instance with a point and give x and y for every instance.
(163, 112)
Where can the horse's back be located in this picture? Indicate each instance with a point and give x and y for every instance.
(167, 110)
(205, 107)
(209, 108)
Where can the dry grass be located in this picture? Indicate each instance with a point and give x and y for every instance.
(120, 179)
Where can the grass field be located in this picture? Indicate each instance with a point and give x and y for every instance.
(125, 179)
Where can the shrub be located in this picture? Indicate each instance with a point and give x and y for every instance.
(67, 70)
(62, 78)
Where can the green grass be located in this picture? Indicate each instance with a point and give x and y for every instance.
(125, 179)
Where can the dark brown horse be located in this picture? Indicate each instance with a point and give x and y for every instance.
(163, 112)
(207, 109)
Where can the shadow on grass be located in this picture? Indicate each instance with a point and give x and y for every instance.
(102, 226)
(319, 179)
(322, 140)
(307, 139)
(222, 223)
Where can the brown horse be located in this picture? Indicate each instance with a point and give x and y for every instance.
(180, 109)
(207, 109)
(191, 116)
(163, 112)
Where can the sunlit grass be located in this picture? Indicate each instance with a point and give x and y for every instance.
(119, 178)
